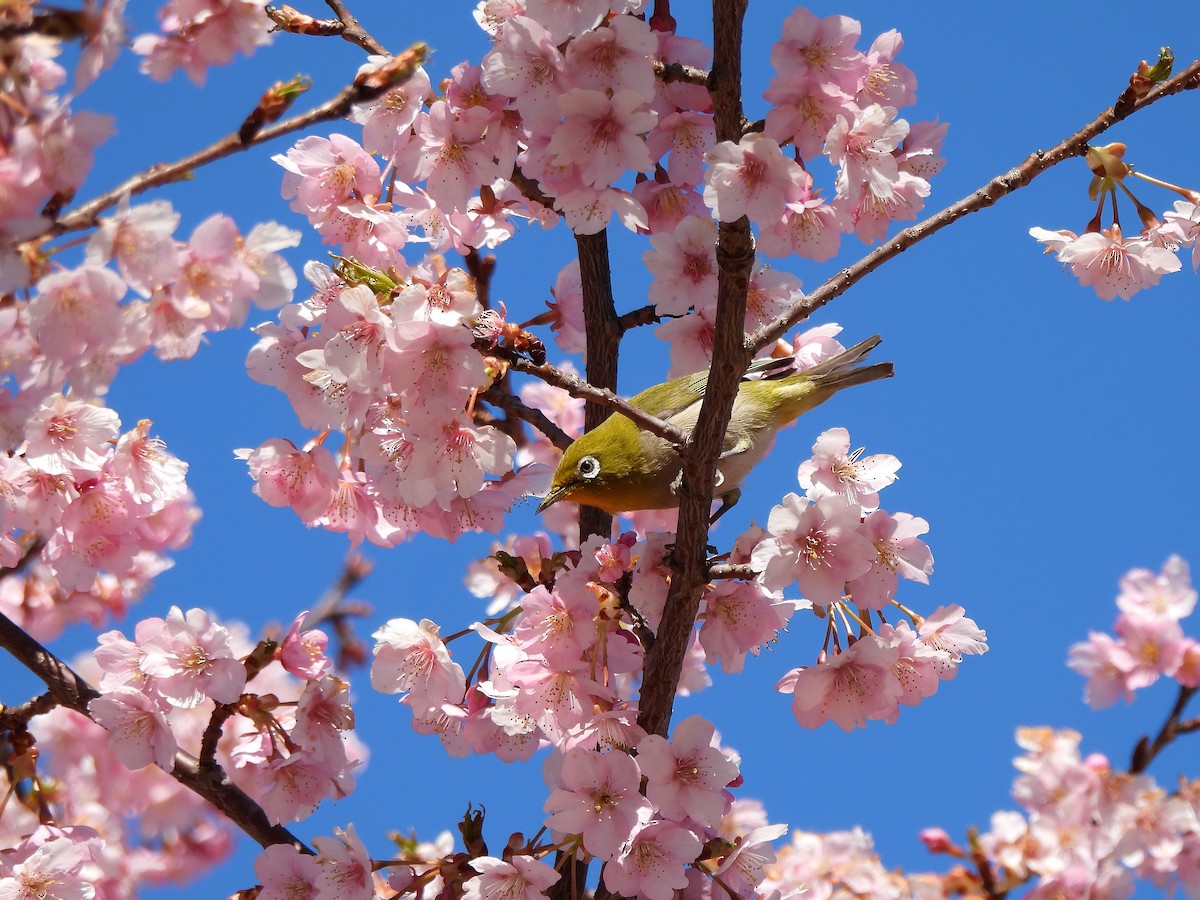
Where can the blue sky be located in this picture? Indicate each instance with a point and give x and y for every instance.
(1044, 434)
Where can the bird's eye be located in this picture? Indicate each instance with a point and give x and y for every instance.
(589, 467)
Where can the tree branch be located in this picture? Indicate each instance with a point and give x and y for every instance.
(1000, 186)
(735, 257)
(1146, 750)
(603, 344)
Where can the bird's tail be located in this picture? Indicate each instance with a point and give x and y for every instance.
(802, 391)
(839, 371)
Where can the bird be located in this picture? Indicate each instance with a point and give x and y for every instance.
(618, 467)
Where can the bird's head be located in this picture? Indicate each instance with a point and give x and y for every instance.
(606, 468)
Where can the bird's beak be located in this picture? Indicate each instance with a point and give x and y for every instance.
(556, 493)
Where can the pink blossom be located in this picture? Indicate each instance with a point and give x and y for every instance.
(687, 135)
(345, 867)
(1155, 645)
(1106, 261)
(601, 135)
(820, 49)
(802, 111)
(834, 469)
(290, 788)
(1168, 595)
(588, 210)
(598, 799)
(616, 56)
(739, 618)
(454, 460)
(202, 34)
(368, 231)
(567, 309)
(1184, 220)
(558, 625)
(809, 228)
(919, 154)
(521, 878)
(322, 173)
(814, 345)
(886, 81)
(525, 64)
(191, 659)
(899, 553)
(103, 40)
(437, 366)
(574, 17)
(684, 267)
(654, 862)
(687, 775)
(70, 436)
(53, 871)
(917, 666)
(752, 178)
(286, 476)
(691, 340)
(863, 150)
(744, 868)
(450, 154)
(302, 653)
(76, 312)
(848, 688)
(141, 240)
(870, 215)
(137, 726)
(667, 204)
(410, 656)
(285, 873)
(151, 473)
(820, 545)
(949, 630)
(553, 698)
(388, 119)
(770, 294)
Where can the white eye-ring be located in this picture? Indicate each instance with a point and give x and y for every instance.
(589, 467)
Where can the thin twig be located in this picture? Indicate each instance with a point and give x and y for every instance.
(577, 387)
(513, 407)
(354, 32)
(85, 216)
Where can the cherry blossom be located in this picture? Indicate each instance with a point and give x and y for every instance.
(817, 544)
(519, 878)
(598, 799)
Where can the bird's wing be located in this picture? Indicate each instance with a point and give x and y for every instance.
(686, 392)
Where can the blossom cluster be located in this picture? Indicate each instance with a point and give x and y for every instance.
(1105, 259)
(104, 506)
(1149, 642)
(847, 556)
(395, 373)
(561, 667)
(288, 746)
(1090, 829)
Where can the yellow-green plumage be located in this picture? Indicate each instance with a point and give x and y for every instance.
(618, 467)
